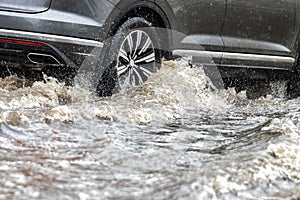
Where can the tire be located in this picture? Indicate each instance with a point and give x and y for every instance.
(133, 55)
(293, 85)
(261, 88)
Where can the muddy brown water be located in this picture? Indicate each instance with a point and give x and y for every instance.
(173, 138)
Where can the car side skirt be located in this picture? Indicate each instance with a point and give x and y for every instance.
(241, 60)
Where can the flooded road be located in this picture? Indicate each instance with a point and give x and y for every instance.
(174, 138)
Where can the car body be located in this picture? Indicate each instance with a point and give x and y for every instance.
(245, 39)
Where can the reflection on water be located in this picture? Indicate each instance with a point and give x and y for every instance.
(174, 138)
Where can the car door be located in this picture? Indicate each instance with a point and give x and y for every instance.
(28, 6)
(204, 19)
(258, 27)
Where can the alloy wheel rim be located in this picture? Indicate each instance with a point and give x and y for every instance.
(136, 60)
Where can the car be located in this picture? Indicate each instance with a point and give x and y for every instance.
(123, 41)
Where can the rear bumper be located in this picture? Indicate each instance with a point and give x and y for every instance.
(36, 50)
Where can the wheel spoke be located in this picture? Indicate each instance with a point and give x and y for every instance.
(138, 42)
(147, 59)
(146, 71)
(133, 81)
(123, 54)
(146, 46)
(130, 43)
(125, 81)
(122, 70)
(139, 76)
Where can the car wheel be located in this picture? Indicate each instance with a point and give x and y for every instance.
(133, 55)
(293, 85)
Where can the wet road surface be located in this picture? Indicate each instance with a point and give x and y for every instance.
(174, 138)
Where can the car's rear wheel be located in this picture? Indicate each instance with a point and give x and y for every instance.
(133, 55)
(293, 85)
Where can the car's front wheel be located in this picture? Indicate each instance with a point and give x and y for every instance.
(293, 85)
(133, 55)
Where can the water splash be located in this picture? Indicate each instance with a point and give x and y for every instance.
(168, 94)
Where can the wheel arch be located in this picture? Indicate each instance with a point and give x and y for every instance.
(149, 10)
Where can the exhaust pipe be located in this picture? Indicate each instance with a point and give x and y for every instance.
(43, 59)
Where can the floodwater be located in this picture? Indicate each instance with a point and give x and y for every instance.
(176, 137)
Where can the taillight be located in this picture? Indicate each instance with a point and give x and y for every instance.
(22, 42)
